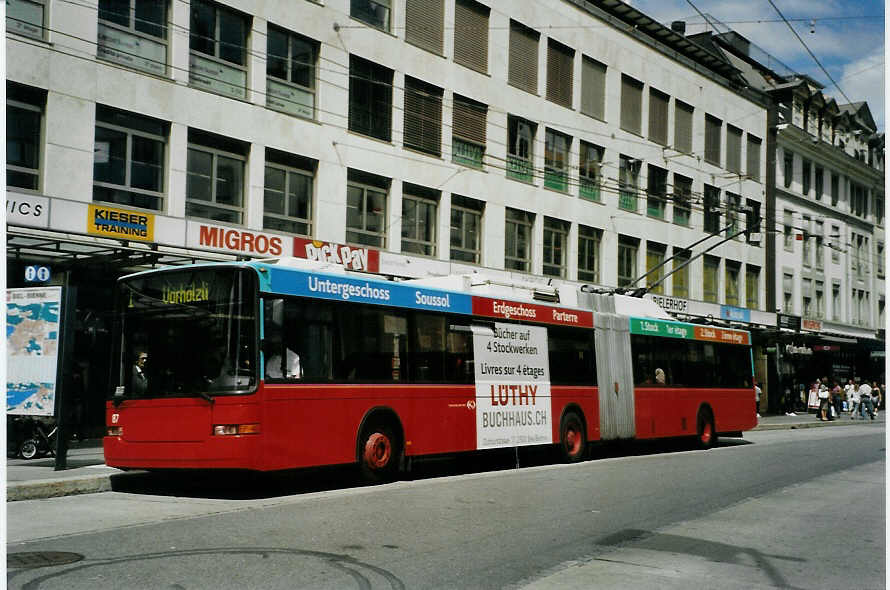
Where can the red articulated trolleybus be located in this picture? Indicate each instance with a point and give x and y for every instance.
(272, 365)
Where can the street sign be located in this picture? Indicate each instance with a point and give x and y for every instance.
(37, 274)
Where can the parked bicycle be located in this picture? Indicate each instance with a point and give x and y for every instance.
(29, 437)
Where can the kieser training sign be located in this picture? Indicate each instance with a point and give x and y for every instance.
(512, 387)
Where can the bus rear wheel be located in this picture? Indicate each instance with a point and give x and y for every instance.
(379, 452)
(572, 437)
(707, 434)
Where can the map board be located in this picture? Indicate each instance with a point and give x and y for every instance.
(513, 406)
(32, 343)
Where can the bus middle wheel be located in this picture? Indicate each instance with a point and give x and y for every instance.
(572, 437)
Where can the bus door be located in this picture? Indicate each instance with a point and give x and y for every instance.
(615, 376)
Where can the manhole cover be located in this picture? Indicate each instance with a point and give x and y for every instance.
(40, 559)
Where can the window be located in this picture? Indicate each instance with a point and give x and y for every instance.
(468, 132)
(683, 127)
(366, 208)
(788, 230)
(710, 278)
(471, 35)
(806, 177)
(879, 209)
(820, 237)
(215, 177)
(128, 161)
(371, 12)
(820, 182)
(712, 209)
(24, 113)
(631, 104)
(836, 239)
(133, 33)
(753, 159)
(787, 293)
(731, 280)
(806, 240)
(733, 149)
(655, 267)
(880, 259)
(656, 192)
(712, 139)
(589, 171)
(593, 88)
(520, 144)
(556, 233)
(287, 198)
(752, 286)
(523, 67)
(628, 179)
(370, 98)
(466, 229)
(420, 208)
(627, 260)
(788, 159)
(752, 222)
(819, 311)
(26, 17)
(836, 302)
(556, 160)
(807, 298)
(517, 240)
(560, 66)
(589, 254)
(425, 24)
(658, 116)
(423, 116)
(680, 273)
(218, 43)
(733, 213)
(290, 73)
(835, 193)
(682, 199)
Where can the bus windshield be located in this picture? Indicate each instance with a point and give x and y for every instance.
(187, 333)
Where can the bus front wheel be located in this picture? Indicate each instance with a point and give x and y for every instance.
(379, 452)
(572, 437)
(707, 434)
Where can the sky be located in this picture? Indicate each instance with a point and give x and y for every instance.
(846, 36)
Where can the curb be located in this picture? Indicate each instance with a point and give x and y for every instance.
(51, 488)
(814, 424)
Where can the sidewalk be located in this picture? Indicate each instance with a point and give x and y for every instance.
(87, 472)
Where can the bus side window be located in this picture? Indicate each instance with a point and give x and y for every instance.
(428, 350)
(459, 366)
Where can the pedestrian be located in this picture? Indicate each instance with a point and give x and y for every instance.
(848, 394)
(865, 404)
(789, 402)
(836, 399)
(824, 399)
(757, 393)
(877, 397)
(854, 401)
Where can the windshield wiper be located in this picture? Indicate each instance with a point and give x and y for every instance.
(207, 396)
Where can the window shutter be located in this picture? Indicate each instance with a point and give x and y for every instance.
(424, 24)
(753, 163)
(658, 116)
(631, 104)
(683, 127)
(469, 120)
(471, 35)
(523, 67)
(733, 149)
(593, 88)
(712, 139)
(559, 73)
(423, 116)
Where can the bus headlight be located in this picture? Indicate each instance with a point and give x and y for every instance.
(235, 429)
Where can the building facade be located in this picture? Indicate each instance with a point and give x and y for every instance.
(558, 141)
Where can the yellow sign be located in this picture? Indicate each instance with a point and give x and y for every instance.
(120, 223)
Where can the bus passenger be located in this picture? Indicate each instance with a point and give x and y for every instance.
(659, 377)
(293, 370)
(140, 380)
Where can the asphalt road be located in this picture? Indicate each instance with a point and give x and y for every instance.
(781, 509)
